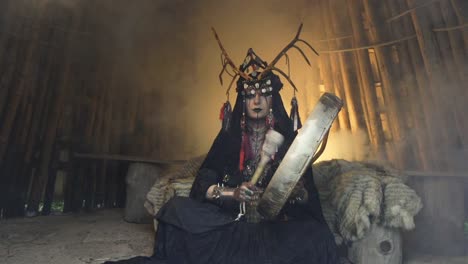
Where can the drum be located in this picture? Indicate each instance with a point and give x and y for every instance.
(299, 155)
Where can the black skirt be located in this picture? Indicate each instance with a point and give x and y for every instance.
(192, 232)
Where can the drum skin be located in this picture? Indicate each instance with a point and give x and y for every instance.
(299, 155)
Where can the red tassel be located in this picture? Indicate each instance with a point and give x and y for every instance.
(242, 151)
(221, 112)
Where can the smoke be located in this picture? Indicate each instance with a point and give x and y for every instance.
(346, 145)
(165, 51)
(164, 62)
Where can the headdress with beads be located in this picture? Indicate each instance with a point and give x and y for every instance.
(256, 76)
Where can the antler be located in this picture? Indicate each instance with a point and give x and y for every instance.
(291, 44)
(227, 61)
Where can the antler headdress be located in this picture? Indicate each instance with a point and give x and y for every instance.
(259, 80)
(253, 60)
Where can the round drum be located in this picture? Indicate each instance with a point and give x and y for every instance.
(299, 155)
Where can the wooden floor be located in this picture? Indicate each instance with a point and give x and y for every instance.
(94, 238)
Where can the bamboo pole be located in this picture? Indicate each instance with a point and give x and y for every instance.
(343, 116)
(106, 142)
(456, 6)
(442, 102)
(453, 57)
(459, 51)
(421, 90)
(17, 93)
(12, 124)
(341, 26)
(97, 192)
(377, 33)
(9, 16)
(324, 65)
(418, 131)
(369, 98)
(443, 197)
(62, 91)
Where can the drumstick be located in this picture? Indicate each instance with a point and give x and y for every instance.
(273, 141)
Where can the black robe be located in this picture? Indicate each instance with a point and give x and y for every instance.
(195, 230)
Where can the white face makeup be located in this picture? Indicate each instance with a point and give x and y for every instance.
(258, 106)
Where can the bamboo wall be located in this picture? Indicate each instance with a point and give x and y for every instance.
(399, 65)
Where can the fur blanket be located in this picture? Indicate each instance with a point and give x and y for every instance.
(353, 195)
(356, 194)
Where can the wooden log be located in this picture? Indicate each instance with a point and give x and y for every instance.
(381, 245)
(369, 97)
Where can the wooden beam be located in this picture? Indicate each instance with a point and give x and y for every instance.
(124, 158)
(442, 174)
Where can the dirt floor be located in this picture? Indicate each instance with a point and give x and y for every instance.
(73, 239)
(93, 238)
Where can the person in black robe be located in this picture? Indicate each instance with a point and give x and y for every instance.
(209, 226)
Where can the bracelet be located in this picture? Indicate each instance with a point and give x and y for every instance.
(220, 192)
(217, 190)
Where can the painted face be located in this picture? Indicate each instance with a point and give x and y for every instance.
(258, 106)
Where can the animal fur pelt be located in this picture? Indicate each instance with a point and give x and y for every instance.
(356, 194)
(353, 195)
(177, 181)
